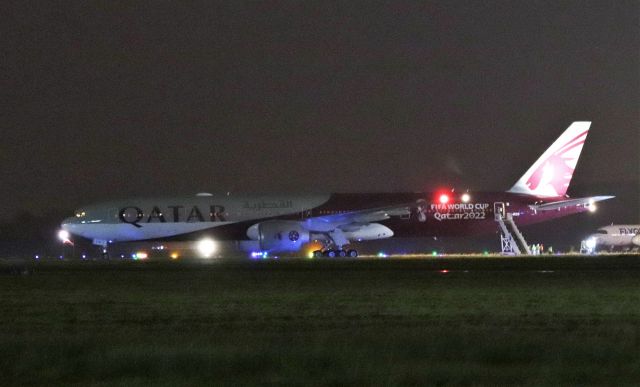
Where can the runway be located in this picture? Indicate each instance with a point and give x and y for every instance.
(422, 262)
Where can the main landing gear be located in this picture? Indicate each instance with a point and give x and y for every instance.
(333, 244)
(331, 253)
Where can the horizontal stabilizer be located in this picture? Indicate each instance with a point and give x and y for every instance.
(584, 202)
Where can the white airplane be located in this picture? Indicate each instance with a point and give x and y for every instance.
(286, 223)
(615, 236)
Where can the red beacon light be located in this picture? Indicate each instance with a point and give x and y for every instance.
(443, 199)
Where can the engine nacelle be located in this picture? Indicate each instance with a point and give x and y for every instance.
(636, 240)
(367, 232)
(279, 235)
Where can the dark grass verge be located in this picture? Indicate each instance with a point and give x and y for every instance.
(535, 321)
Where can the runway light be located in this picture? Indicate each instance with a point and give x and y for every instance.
(174, 256)
(260, 254)
(465, 198)
(141, 255)
(206, 248)
(434, 253)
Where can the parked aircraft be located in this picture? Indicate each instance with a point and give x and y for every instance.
(615, 236)
(285, 223)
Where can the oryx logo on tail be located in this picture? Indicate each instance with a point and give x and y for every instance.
(551, 174)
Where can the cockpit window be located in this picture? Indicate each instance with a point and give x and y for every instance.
(601, 232)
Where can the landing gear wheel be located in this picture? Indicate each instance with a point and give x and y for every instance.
(342, 253)
(330, 253)
(317, 254)
(352, 253)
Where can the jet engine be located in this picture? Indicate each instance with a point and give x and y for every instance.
(279, 235)
(636, 240)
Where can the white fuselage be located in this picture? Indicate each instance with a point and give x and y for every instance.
(131, 220)
(617, 235)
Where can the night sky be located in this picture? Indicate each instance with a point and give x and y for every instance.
(104, 100)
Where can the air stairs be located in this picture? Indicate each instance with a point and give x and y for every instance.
(508, 229)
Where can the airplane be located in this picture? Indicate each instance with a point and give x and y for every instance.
(279, 223)
(622, 236)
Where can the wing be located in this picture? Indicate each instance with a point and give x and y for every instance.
(585, 202)
(329, 222)
(357, 225)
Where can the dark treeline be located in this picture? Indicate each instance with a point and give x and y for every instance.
(29, 234)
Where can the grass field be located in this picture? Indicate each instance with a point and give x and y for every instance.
(532, 321)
